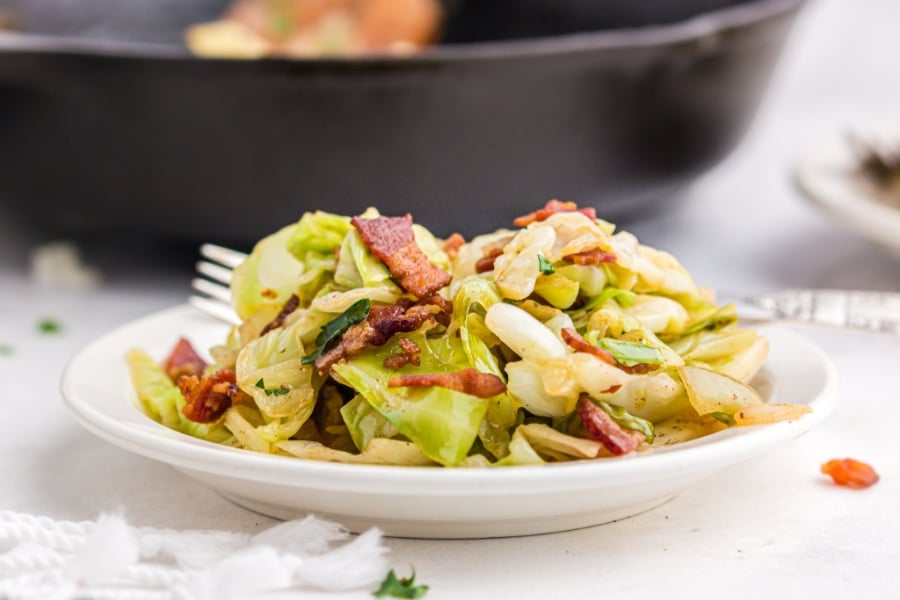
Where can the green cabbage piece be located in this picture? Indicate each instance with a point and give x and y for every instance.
(590, 278)
(475, 295)
(269, 370)
(557, 289)
(268, 276)
(520, 453)
(163, 401)
(358, 267)
(317, 232)
(711, 347)
(443, 423)
(431, 247)
(365, 423)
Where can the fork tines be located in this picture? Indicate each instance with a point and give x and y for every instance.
(213, 284)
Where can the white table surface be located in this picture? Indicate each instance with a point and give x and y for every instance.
(770, 526)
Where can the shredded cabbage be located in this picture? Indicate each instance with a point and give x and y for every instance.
(632, 334)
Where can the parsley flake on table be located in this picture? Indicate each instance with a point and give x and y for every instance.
(49, 326)
(400, 588)
(6, 350)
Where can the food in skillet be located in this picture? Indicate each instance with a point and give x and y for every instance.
(368, 340)
(310, 28)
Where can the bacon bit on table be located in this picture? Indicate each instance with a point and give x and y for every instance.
(392, 240)
(591, 257)
(551, 208)
(850, 473)
(183, 360)
(382, 323)
(208, 397)
(453, 244)
(410, 355)
(467, 381)
(290, 306)
(579, 344)
(603, 428)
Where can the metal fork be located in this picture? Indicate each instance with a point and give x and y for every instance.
(877, 312)
(215, 277)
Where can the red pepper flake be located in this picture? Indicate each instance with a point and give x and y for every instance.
(551, 208)
(591, 257)
(850, 473)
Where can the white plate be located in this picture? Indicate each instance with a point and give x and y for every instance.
(828, 174)
(429, 502)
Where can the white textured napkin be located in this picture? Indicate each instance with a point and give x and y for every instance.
(63, 560)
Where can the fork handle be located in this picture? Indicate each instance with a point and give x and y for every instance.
(849, 309)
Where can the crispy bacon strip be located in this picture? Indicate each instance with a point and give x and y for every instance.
(290, 306)
(453, 244)
(591, 257)
(579, 344)
(850, 473)
(183, 360)
(392, 240)
(411, 354)
(603, 428)
(486, 263)
(208, 397)
(551, 208)
(467, 381)
(382, 323)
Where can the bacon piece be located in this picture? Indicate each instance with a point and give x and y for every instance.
(486, 263)
(382, 323)
(603, 428)
(579, 344)
(467, 381)
(453, 244)
(442, 303)
(208, 397)
(290, 306)
(551, 208)
(591, 257)
(850, 473)
(410, 355)
(183, 360)
(392, 240)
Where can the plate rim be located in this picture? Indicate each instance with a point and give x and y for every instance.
(182, 451)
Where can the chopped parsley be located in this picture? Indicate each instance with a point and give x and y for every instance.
(279, 391)
(335, 328)
(545, 265)
(49, 326)
(400, 588)
(6, 350)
